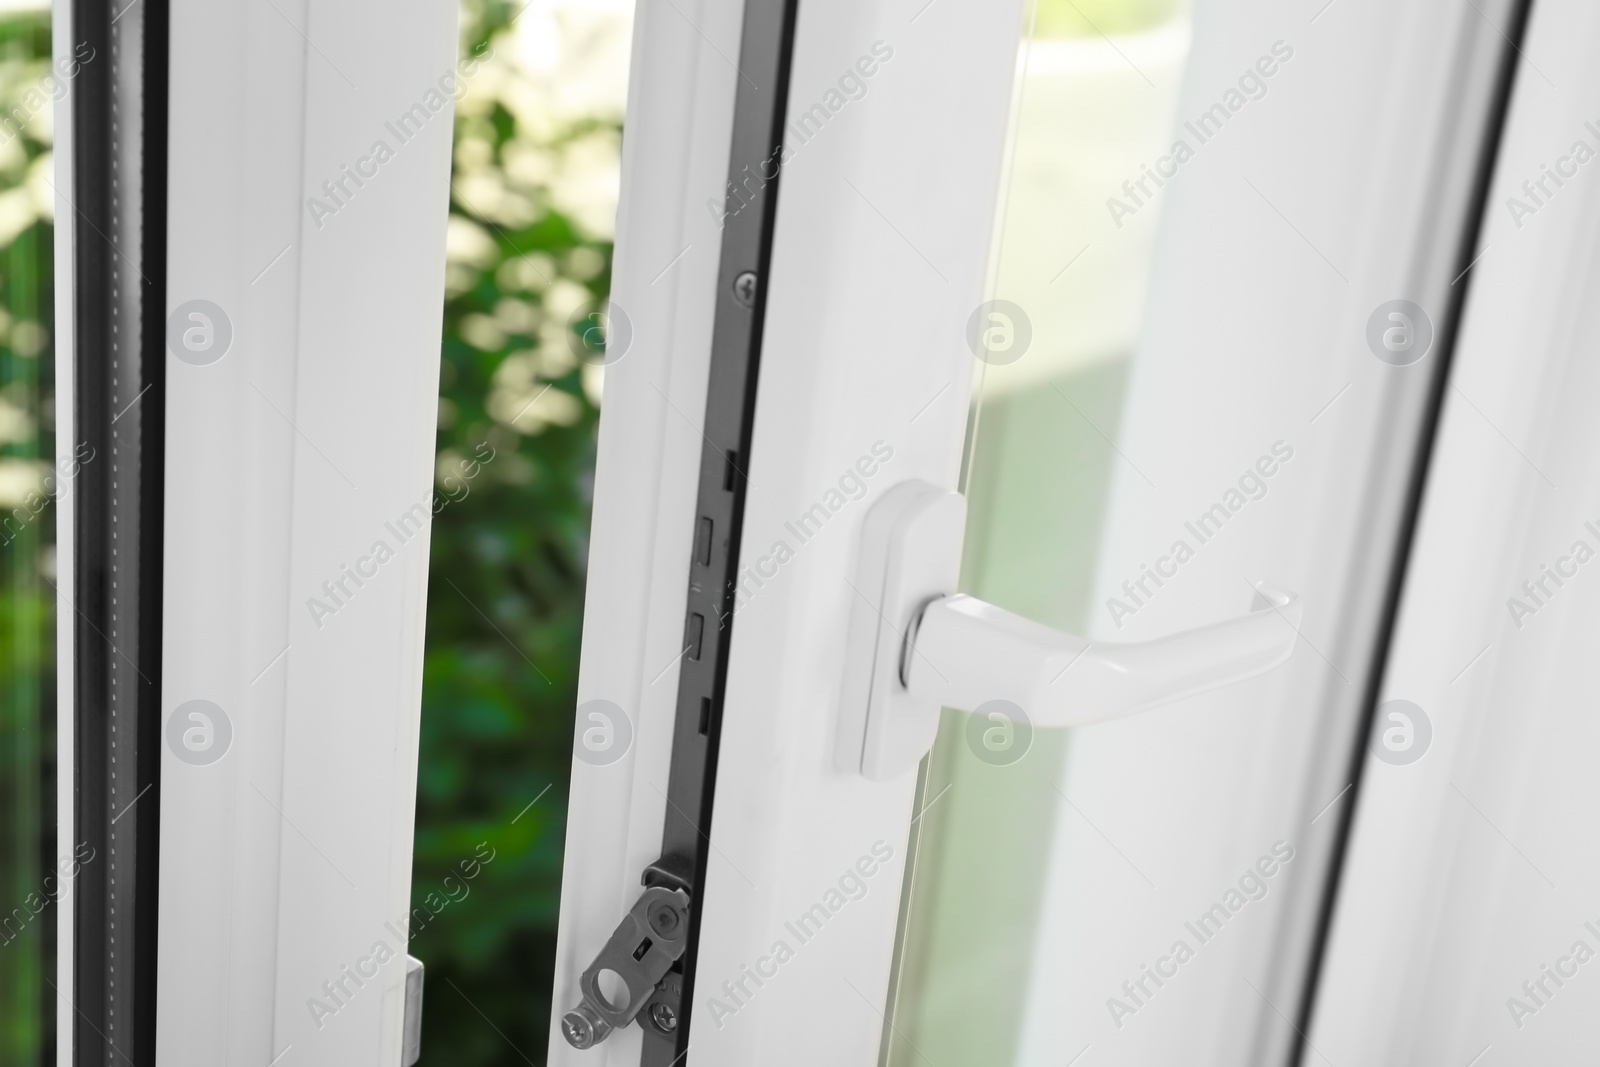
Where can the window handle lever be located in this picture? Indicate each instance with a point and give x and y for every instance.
(914, 646)
(964, 652)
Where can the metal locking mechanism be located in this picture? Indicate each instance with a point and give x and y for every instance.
(639, 955)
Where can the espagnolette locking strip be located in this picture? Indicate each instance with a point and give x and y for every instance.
(646, 970)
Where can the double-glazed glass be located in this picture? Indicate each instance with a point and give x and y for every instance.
(1092, 132)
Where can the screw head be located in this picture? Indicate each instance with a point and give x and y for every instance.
(744, 288)
(583, 1027)
(663, 920)
(664, 1017)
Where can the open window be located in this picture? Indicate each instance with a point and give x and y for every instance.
(1087, 550)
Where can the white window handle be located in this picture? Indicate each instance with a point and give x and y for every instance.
(916, 647)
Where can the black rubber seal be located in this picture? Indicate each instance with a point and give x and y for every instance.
(119, 198)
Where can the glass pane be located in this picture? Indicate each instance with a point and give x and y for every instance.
(534, 187)
(1097, 108)
(28, 884)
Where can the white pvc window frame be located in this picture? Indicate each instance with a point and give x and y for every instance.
(881, 252)
(1465, 901)
(285, 859)
(777, 833)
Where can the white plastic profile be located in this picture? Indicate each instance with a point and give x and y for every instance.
(916, 646)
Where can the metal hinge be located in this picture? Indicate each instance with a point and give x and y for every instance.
(639, 961)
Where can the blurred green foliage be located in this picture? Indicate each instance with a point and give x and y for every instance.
(27, 534)
(507, 572)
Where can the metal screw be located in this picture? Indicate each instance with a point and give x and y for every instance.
(664, 1017)
(583, 1027)
(664, 920)
(744, 288)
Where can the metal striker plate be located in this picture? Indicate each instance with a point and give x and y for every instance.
(648, 941)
